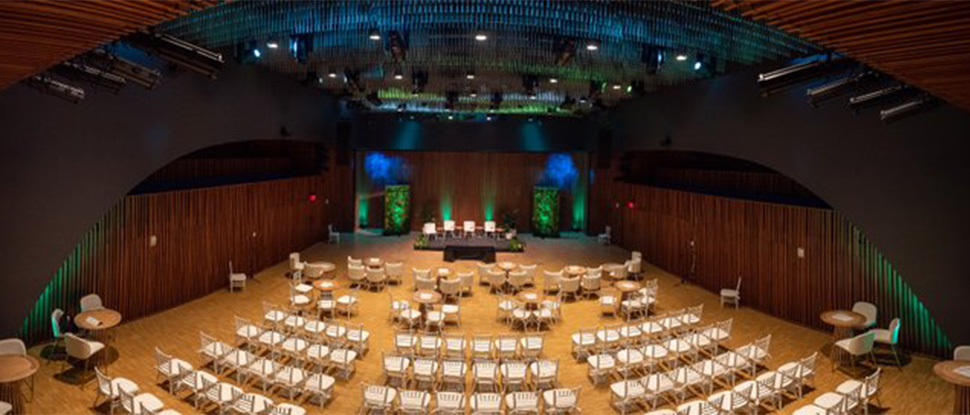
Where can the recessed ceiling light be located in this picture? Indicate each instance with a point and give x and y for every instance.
(257, 53)
(481, 37)
(473, 95)
(681, 57)
(374, 35)
(617, 86)
(398, 76)
(553, 80)
(272, 45)
(697, 66)
(332, 74)
(592, 46)
(451, 117)
(470, 76)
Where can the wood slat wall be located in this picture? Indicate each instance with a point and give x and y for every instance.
(759, 242)
(469, 180)
(198, 232)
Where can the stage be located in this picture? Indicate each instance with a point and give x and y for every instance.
(476, 248)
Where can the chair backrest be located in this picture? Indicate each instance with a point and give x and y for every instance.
(425, 283)
(469, 226)
(872, 382)
(330, 229)
(808, 363)
(91, 302)
(635, 255)
(354, 261)
(496, 278)
(738, 287)
(569, 285)
(862, 343)
(375, 274)
(422, 273)
(552, 277)
(429, 228)
(394, 268)
(518, 278)
(467, 278)
(356, 272)
(294, 261)
(490, 226)
(894, 330)
(609, 230)
(14, 347)
(56, 321)
(104, 382)
(76, 347)
(591, 282)
(450, 286)
(868, 310)
(449, 225)
(621, 272)
(961, 353)
(635, 266)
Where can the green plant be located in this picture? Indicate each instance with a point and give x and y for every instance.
(545, 211)
(515, 245)
(421, 242)
(397, 209)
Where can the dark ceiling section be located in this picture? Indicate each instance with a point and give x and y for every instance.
(923, 43)
(35, 35)
(495, 56)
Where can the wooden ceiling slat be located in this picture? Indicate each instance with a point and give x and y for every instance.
(923, 43)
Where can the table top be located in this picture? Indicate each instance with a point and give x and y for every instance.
(326, 266)
(427, 296)
(506, 265)
(946, 371)
(574, 269)
(14, 368)
(531, 297)
(627, 286)
(325, 285)
(443, 272)
(843, 318)
(611, 265)
(109, 318)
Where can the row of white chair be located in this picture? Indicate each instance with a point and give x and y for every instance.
(385, 399)
(849, 397)
(590, 340)
(487, 374)
(330, 345)
(481, 346)
(120, 393)
(468, 228)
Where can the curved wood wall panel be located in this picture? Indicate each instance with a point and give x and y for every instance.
(198, 232)
(760, 242)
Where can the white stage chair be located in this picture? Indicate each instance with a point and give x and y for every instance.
(334, 236)
(449, 228)
(729, 295)
(890, 338)
(868, 310)
(468, 228)
(606, 237)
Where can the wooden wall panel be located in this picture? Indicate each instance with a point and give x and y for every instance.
(469, 182)
(198, 232)
(759, 242)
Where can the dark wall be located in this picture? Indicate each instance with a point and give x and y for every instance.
(64, 165)
(904, 185)
(390, 132)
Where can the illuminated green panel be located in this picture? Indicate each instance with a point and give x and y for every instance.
(545, 211)
(445, 206)
(362, 212)
(397, 209)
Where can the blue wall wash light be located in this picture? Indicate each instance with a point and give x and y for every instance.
(560, 171)
(384, 169)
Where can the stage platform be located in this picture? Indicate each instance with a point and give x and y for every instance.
(477, 248)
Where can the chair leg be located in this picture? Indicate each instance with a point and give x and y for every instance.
(896, 356)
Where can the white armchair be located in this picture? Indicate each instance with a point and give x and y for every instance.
(860, 345)
(468, 228)
(81, 349)
(356, 274)
(334, 236)
(490, 229)
(729, 295)
(395, 272)
(237, 280)
(550, 280)
(606, 237)
(91, 302)
(868, 310)
(14, 347)
(634, 267)
(890, 338)
(295, 263)
(961, 353)
(569, 286)
(429, 230)
(449, 228)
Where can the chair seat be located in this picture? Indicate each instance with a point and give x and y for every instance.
(727, 292)
(327, 304)
(315, 326)
(237, 277)
(271, 338)
(295, 321)
(608, 300)
(95, 346)
(317, 351)
(146, 400)
(275, 316)
(290, 376)
(318, 383)
(781, 382)
(346, 300)
(118, 384)
(844, 344)
(449, 308)
(810, 410)
(584, 339)
(358, 336)
(215, 349)
(850, 385)
(627, 389)
(247, 331)
(343, 356)
(295, 344)
(300, 299)
(829, 400)
(303, 288)
(601, 361)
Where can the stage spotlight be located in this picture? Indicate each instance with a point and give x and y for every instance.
(533, 96)
(553, 80)
(787, 77)
(124, 68)
(592, 45)
(473, 95)
(257, 53)
(488, 118)
(374, 34)
(481, 36)
(398, 76)
(470, 75)
(80, 72)
(681, 57)
(181, 53)
(332, 74)
(48, 85)
(882, 96)
(272, 45)
(565, 49)
(697, 66)
(842, 86)
(920, 104)
(617, 86)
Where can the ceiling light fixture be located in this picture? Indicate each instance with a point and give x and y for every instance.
(553, 80)
(481, 37)
(697, 66)
(470, 75)
(272, 45)
(681, 57)
(374, 34)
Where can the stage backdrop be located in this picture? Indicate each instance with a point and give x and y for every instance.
(472, 186)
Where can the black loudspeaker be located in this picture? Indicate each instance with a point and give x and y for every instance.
(343, 143)
(604, 149)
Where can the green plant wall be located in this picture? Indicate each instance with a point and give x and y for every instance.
(397, 209)
(545, 211)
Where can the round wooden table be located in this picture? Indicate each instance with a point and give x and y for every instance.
(14, 369)
(626, 287)
(327, 268)
(374, 262)
(325, 285)
(530, 299)
(506, 266)
(424, 298)
(574, 270)
(947, 370)
(842, 322)
(106, 319)
(609, 267)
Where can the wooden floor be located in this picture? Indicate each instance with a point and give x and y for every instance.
(915, 390)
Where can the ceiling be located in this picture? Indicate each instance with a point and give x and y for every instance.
(534, 54)
(923, 43)
(37, 34)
